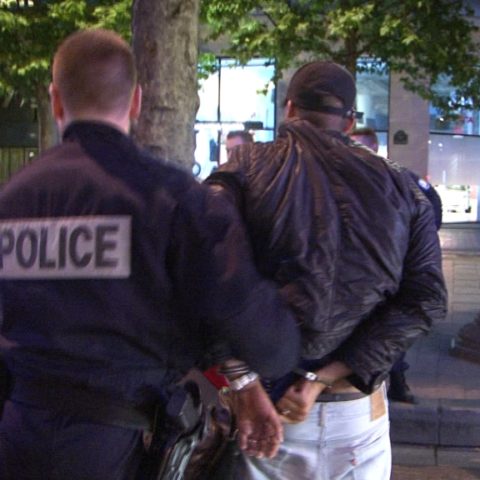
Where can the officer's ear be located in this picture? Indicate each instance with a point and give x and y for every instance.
(136, 103)
(56, 103)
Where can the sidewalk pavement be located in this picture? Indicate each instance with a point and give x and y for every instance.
(443, 428)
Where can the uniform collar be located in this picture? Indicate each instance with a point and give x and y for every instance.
(78, 129)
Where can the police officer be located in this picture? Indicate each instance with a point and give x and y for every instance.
(117, 271)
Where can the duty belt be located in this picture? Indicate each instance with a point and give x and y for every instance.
(77, 401)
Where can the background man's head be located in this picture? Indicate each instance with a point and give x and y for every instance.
(237, 137)
(324, 93)
(365, 136)
(93, 76)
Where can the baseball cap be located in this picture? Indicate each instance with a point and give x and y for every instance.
(312, 82)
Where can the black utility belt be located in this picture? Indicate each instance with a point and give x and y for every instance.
(79, 402)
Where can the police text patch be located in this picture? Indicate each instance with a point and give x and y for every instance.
(66, 247)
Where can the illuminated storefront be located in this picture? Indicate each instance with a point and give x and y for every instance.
(234, 98)
(454, 164)
(372, 102)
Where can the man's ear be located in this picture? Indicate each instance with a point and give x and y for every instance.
(290, 110)
(56, 103)
(136, 103)
(348, 125)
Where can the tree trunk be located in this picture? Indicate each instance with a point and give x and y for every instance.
(165, 42)
(47, 132)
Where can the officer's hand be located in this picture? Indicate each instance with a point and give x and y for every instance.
(260, 429)
(298, 400)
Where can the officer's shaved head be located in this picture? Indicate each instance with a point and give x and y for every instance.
(94, 70)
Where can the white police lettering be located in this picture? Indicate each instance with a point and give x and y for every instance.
(66, 247)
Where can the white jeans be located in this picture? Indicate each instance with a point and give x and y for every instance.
(338, 441)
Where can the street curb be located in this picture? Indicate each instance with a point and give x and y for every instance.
(438, 424)
(424, 456)
(441, 432)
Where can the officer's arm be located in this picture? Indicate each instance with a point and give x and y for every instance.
(216, 279)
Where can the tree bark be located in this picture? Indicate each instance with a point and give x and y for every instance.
(165, 42)
(47, 132)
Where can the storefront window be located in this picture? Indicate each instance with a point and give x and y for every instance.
(461, 121)
(454, 170)
(234, 98)
(453, 165)
(372, 99)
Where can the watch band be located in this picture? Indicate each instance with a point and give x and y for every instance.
(312, 377)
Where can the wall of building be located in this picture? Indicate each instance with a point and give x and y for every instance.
(408, 114)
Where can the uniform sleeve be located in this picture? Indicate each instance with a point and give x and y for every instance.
(420, 300)
(215, 279)
(433, 197)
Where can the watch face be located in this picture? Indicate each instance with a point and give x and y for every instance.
(310, 376)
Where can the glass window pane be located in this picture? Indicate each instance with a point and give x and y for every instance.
(372, 96)
(382, 143)
(453, 159)
(247, 93)
(207, 137)
(208, 96)
(454, 168)
(243, 104)
(462, 121)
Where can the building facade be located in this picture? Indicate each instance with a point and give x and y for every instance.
(411, 132)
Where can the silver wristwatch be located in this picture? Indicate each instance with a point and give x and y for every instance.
(312, 377)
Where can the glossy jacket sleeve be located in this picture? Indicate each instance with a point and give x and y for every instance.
(216, 279)
(393, 326)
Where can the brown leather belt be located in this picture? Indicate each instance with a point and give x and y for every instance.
(342, 391)
(340, 397)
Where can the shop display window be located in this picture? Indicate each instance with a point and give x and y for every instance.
(233, 98)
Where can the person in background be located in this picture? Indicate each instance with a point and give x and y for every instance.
(235, 138)
(399, 389)
(118, 273)
(364, 282)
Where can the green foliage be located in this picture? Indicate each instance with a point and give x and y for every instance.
(421, 39)
(29, 35)
(207, 64)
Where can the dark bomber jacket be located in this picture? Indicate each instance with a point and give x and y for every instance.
(348, 238)
(189, 275)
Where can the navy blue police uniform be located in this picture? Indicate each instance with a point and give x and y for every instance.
(433, 196)
(401, 365)
(117, 272)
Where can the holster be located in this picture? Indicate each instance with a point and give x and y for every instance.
(178, 428)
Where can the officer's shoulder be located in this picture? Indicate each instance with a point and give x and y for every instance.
(42, 164)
